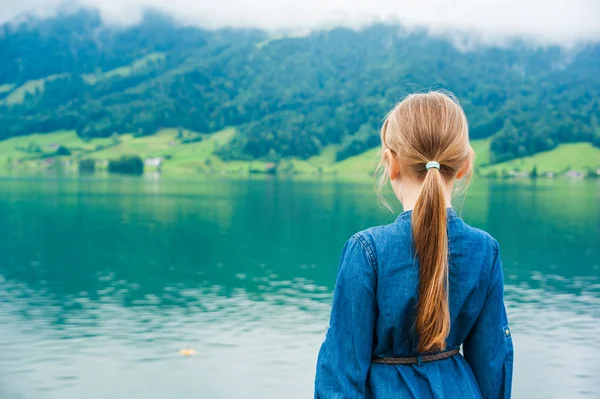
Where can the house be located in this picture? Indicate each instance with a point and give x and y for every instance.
(573, 174)
(517, 174)
(270, 167)
(153, 162)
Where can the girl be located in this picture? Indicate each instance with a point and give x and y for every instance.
(409, 294)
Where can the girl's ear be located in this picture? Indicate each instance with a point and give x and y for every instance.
(466, 168)
(393, 164)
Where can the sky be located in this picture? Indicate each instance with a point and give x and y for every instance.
(546, 21)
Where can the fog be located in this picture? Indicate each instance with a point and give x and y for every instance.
(546, 21)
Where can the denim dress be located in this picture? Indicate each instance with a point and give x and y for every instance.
(374, 313)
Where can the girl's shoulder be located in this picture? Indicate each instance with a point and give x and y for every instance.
(475, 238)
(396, 238)
(396, 233)
(385, 241)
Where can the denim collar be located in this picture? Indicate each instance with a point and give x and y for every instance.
(406, 215)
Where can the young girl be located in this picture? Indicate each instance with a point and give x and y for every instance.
(410, 293)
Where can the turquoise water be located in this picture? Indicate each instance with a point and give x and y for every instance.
(103, 281)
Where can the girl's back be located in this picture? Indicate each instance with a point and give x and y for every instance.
(385, 302)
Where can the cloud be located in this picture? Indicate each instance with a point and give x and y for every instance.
(549, 21)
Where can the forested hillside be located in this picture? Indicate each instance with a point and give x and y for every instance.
(286, 96)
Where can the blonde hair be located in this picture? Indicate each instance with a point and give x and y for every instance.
(421, 128)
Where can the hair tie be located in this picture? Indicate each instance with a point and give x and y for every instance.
(432, 164)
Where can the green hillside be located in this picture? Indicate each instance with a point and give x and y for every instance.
(577, 156)
(136, 67)
(304, 100)
(32, 87)
(4, 88)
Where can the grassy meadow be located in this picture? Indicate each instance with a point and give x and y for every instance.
(573, 156)
(185, 152)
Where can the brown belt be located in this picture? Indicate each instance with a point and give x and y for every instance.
(415, 360)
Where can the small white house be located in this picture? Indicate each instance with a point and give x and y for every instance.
(153, 162)
(517, 174)
(573, 174)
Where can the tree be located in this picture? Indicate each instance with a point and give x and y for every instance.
(33, 148)
(534, 172)
(87, 165)
(596, 140)
(128, 164)
(115, 139)
(63, 151)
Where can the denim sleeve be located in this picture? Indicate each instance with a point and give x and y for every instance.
(345, 356)
(488, 347)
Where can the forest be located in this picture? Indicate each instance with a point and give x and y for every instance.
(287, 96)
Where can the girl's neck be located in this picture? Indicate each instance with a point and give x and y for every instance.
(410, 194)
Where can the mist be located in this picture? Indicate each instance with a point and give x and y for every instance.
(546, 21)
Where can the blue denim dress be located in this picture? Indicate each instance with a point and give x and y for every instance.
(374, 310)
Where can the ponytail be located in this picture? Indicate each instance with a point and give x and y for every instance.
(422, 130)
(430, 240)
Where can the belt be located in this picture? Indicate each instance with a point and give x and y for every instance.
(415, 360)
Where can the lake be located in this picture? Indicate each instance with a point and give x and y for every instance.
(104, 280)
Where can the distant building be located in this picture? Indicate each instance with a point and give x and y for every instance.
(54, 146)
(270, 166)
(153, 162)
(573, 174)
(517, 174)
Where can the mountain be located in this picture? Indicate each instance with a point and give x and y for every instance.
(285, 96)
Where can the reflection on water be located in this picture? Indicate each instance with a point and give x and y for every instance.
(102, 282)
